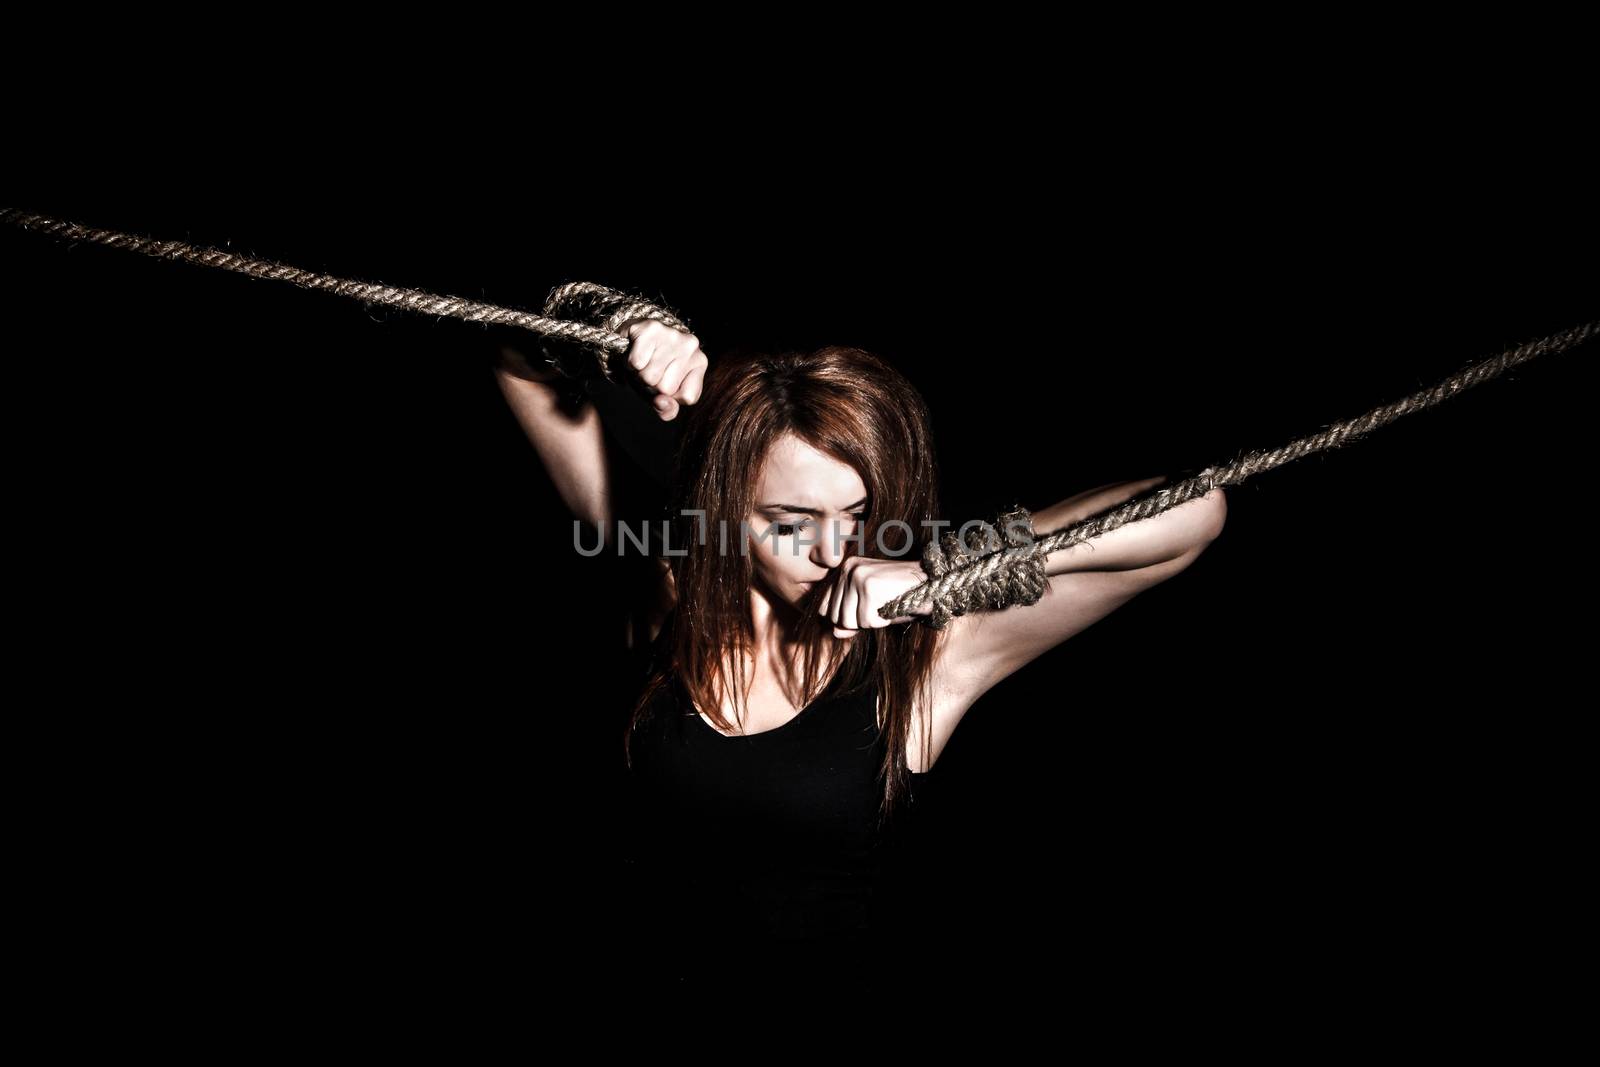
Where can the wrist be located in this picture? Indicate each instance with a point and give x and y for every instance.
(1021, 581)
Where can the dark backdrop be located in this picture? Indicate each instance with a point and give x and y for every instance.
(328, 642)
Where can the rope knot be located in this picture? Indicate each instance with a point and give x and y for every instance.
(595, 305)
(978, 585)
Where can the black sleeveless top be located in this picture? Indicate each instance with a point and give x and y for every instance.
(762, 843)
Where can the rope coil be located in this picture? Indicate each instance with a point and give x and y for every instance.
(604, 308)
(984, 589)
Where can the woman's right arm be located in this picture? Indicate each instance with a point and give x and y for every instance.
(571, 444)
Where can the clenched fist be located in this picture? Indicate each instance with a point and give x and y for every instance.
(669, 361)
(861, 585)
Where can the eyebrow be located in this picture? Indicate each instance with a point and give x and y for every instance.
(806, 511)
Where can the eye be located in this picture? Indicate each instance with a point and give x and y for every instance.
(789, 529)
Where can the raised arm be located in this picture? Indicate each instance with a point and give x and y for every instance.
(1086, 581)
(571, 443)
(663, 370)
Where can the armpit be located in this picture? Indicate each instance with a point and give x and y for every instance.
(661, 596)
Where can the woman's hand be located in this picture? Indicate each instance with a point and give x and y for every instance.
(861, 585)
(669, 361)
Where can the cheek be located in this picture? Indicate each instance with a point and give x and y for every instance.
(777, 568)
(768, 555)
(779, 558)
(775, 553)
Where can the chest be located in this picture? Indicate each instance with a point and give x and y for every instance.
(768, 707)
(814, 775)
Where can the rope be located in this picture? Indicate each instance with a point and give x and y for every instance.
(601, 338)
(588, 302)
(1024, 581)
(967, 578)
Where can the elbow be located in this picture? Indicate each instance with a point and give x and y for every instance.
(1202, 522)
(1217, 501)
(512, 364)
(1206, 524)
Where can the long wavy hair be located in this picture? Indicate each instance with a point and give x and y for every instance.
(853, 406)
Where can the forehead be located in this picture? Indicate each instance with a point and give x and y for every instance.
(796, 473)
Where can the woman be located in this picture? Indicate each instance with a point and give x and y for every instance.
(784, 729)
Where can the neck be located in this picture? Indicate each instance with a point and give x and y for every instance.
(776, 625)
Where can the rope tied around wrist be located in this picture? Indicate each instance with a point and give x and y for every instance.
(1026, 556)
(577, 356)
(979, 583)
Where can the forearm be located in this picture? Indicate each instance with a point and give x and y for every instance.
(570, 444)
(1157, 539)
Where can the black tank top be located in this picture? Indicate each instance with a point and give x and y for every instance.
(762, 844)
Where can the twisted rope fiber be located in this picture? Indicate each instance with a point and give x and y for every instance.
(964, 580)
(961, 578)
(1023, 582)
(602, 339)
(596, 305)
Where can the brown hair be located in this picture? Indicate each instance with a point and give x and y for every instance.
(846, 403)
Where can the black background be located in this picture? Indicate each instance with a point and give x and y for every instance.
(317, 636)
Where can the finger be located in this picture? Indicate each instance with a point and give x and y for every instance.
(836, 596)
(641, 356)
(849, 607)
(652, 371)
(634, 331)
(675, 369)
(825, 603)
(870, 619)
(694, 381)
(867, 616)
(666, 407)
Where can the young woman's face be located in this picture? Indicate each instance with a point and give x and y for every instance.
(806, 504)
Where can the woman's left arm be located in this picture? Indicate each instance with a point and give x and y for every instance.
(1086, 581)
(1173, 533)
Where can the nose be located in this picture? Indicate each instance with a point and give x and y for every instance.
(831, 546)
